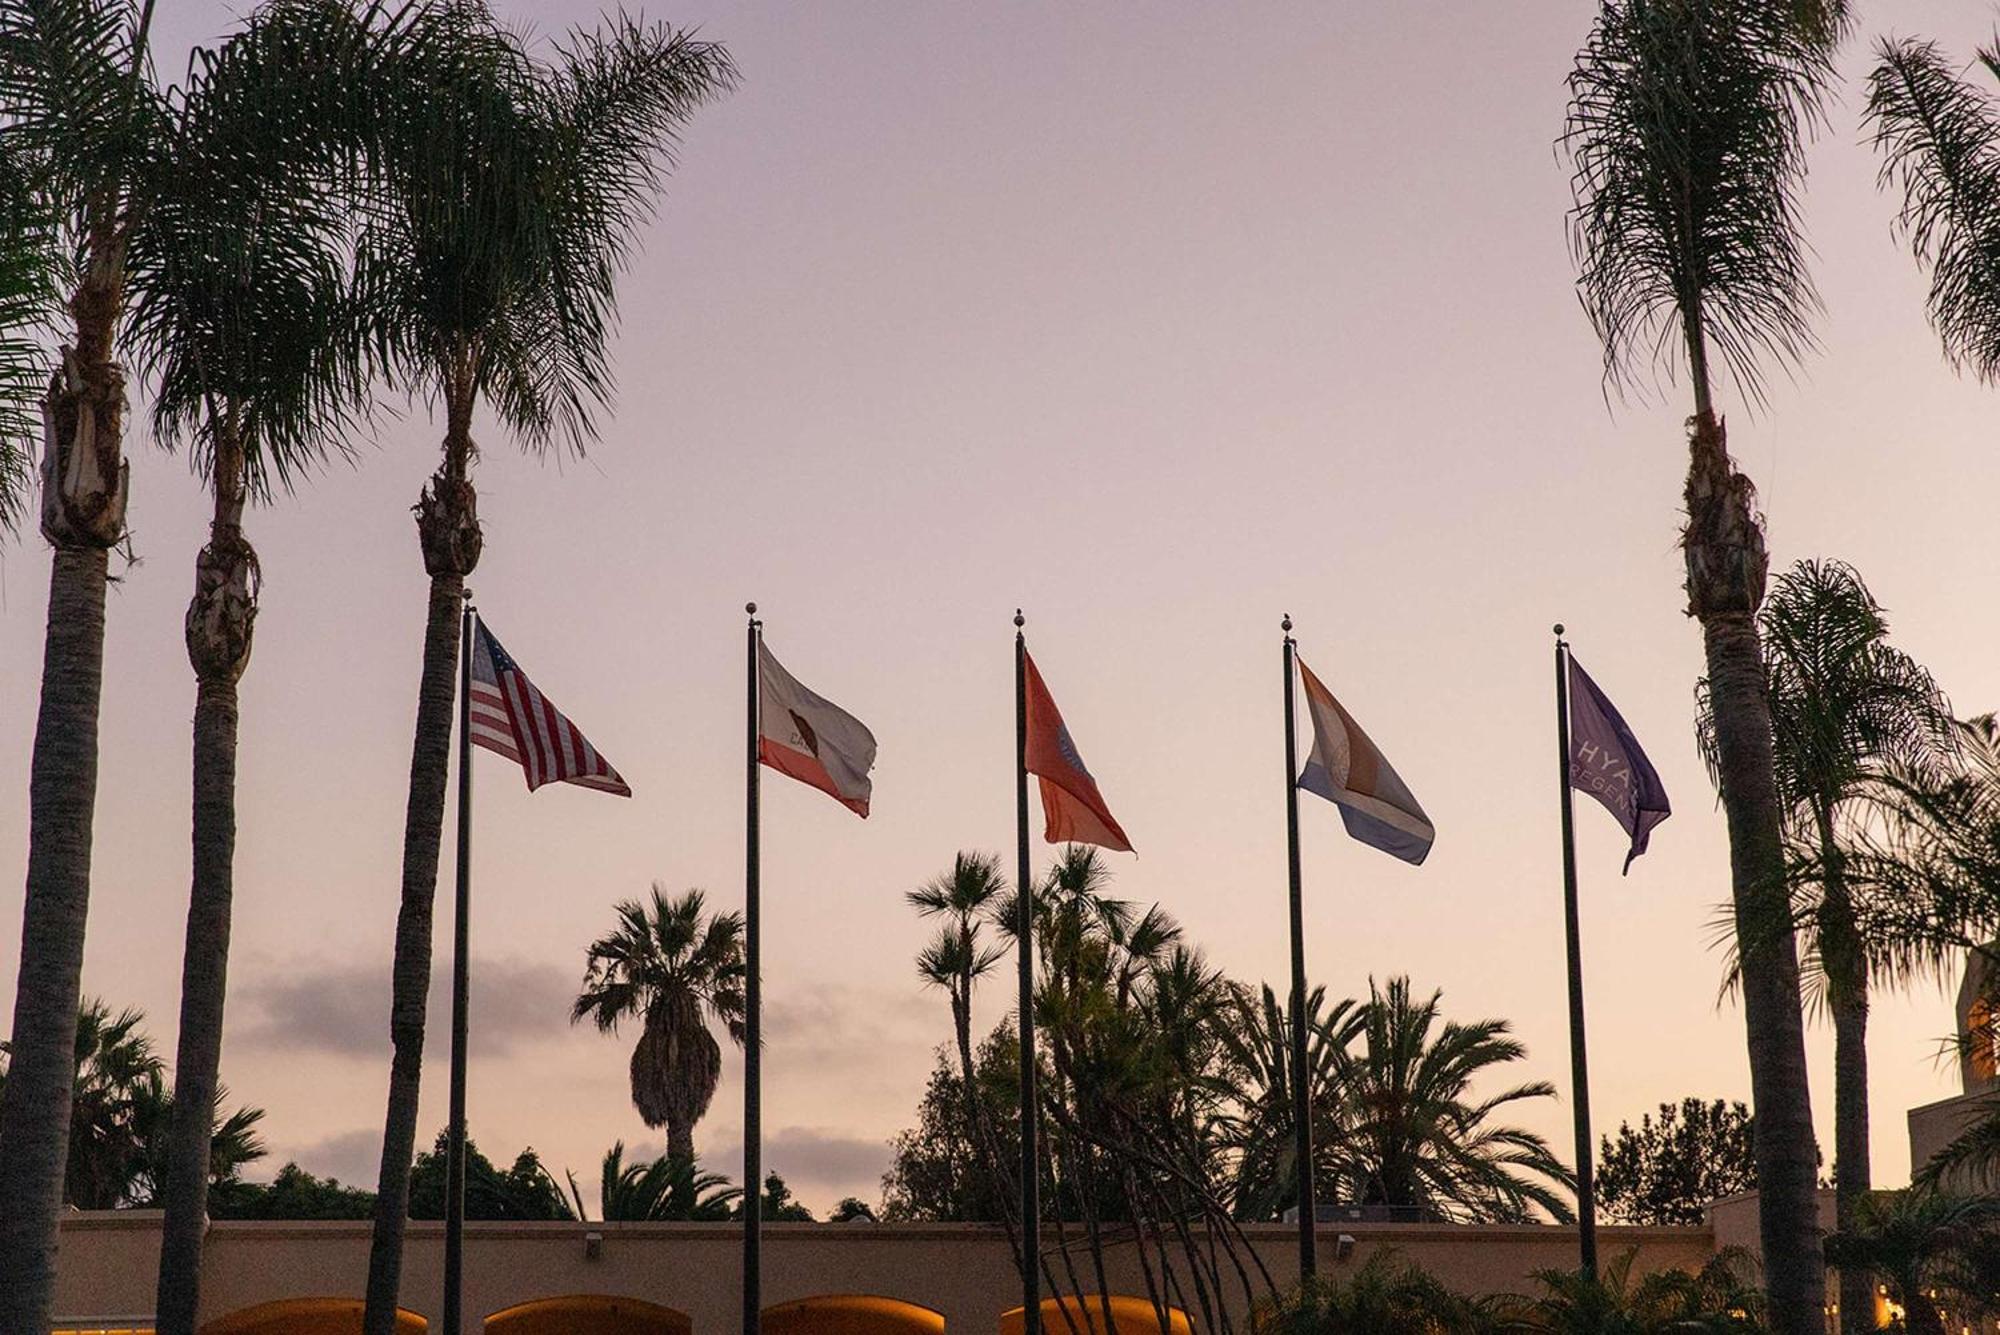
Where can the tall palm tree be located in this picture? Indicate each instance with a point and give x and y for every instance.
(678, 970)
(1853, 719)
(1415, 1136)
(242, 317)
(510, 197)
(957, 958)
(1686, 126)
(78, 107)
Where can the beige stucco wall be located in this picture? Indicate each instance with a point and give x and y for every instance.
(963, 1271)
(1936, 1125)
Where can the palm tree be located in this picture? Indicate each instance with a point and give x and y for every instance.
(1939, 138)
(78, 109)
(509, 198)
(27, 302)
(241, 314)
(119, 1115)
(1852, 719)
(1930, 1250)
(1416, 1139)
(1714, 1298)
(678, 971)
(1256, 1072)
(957, 958)
(667, 1188)
(1686, 126)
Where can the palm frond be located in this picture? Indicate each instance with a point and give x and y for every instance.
(1939, 139)
(1686, 130)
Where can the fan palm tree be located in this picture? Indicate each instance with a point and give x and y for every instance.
(241, 315)
(678, 970)
(1853, 719)
(120, 1111)
(1414, 1136)
(78, 110)
(508, 202)
(1686, 127)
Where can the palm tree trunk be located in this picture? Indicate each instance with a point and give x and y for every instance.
(1726, 566)
(220, 619)
(83, 516)
(680, 1141)
(1847, 997)
(448, 528)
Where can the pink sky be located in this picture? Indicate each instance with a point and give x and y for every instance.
(1159, 323)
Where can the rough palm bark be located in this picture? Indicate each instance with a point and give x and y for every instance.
(448, 530)
(220, 620)
(1726, 568)
(83, 517)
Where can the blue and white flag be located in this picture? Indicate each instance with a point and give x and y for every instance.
(1605, 760)
(1349, 770)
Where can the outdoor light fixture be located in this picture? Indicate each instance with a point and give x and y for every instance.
(593, 1246)
(1343, 1247)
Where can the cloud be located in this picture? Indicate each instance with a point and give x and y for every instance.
(822, 1025)
(353, 1157)
(819, 1164)
(342, 1009)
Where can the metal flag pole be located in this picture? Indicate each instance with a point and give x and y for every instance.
(753, 1063)
(461, 974)
(1586, 1204)
(1301, 1077)
(1024, 939)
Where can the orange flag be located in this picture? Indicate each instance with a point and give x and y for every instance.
(1071, 805)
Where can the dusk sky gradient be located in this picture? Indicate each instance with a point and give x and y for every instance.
(1159, 322)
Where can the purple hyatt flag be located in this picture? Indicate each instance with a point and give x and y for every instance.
(1606, 762)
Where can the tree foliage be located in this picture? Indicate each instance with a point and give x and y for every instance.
(119, 1115)
(1667, 1171)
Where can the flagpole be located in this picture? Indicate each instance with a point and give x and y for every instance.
(753, 1063)
(1301, 1082)
(1024, 939)
(1586, 1203)
(454, 1191)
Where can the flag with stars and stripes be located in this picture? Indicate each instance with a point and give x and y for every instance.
(511, 717)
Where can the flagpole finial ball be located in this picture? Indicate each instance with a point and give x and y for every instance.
(1019, 620)
(1559, 628)
(751, 608)
(1287, 623)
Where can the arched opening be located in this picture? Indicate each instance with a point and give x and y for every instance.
(851, 1314)
(1085, 1316)
(588, 1314)
(306, 1316)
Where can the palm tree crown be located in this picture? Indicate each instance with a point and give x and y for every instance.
(677, 970)
(1415, 1135)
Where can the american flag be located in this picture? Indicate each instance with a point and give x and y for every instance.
(511, 717)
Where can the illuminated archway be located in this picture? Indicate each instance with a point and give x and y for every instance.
(851, 1314)
(1085, 1316)
(588, 1314)
(306, 1316)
